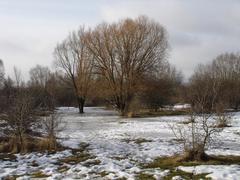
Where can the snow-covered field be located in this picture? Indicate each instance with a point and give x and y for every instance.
(120, 146)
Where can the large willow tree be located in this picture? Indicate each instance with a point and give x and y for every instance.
(125, 52)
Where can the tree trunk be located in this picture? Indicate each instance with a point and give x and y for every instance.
(195, 155)
(124, 111)
(81, 103)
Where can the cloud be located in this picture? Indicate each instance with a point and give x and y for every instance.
(198, 30)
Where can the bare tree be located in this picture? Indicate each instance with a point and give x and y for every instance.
(197, 135)
(161, 88)
(203, 89)
(1, 73)
(17, 76)
(226, 69)
(39, 76)
(20, 117)
(52, 125)
(207, 113)
(73, 57)
(125, 52)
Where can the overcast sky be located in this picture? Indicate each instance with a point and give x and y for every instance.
(198, 30)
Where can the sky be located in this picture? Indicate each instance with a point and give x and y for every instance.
(198, 31)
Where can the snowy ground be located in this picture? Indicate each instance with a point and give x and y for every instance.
(120, 146)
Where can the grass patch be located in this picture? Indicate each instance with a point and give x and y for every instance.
(122, 178)
(172, 162)
(39, 174)
(175, 161)
(83, 146)
(119, 158)
(144, 176)
(92, 163)
(76, 158)
(147, 113)
(14, 177)
(103, 173)
(7, 157)
(142, 140)
(137, 141)
(12, 144)
(185, 175)
(78, 155)
(62, 169)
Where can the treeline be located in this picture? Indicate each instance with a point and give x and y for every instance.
(216, 85)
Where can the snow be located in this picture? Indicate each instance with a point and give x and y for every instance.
(219, 172)
(181, 106)
(114, 142)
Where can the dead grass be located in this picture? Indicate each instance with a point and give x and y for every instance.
(31, 144)
(175, 161)
(172, 162)
(7, 157)
(185, 175)
(39, 174)
(103, 173)
(11, 177)
(79, 155)
(137, 141)
(92, 163)
(144, 176)
(62, 169)
(149, 113)
(76, 158)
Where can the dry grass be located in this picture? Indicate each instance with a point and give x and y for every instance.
(30, 144)
(149, 113)
(39, 174)
(144, 176)
(79, 155)
(137, 141)
(170, 162)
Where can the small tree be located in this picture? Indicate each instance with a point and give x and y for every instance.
(1, 73)
(52, 125)
(198, 135)
(205, 115)
(20, 117)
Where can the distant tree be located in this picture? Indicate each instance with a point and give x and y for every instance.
(203, 89)
(226, 69)
(223, 73)
(74, 59)
(125, 53)
(18, 79)
(39, 76)
(2, 73)
(162, 88)
(39, 83)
